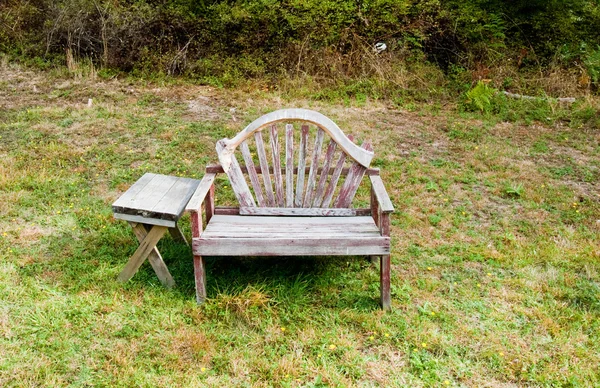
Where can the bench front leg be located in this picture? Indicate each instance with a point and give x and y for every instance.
(384, 280)
(199, 264)
(203, 197)
(385, 265)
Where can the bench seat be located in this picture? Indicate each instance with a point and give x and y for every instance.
(232, 235)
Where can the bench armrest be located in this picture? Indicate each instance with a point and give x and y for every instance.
(200, 194)
(381, 195)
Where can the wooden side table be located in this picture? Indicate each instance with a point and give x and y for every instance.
(152, 206)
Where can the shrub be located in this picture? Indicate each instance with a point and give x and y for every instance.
(326, 39)
(592, 65)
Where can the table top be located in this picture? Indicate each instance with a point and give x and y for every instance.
(155, 199)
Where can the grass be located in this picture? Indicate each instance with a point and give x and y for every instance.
(496, 258)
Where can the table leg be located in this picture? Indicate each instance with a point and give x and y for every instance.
(177, 235)
(147, 249)
(155, 259)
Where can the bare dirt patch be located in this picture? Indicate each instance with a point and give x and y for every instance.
(202, 109)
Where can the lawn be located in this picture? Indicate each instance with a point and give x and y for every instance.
(495, 248)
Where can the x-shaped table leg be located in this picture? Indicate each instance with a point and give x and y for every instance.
(177, 235)
(148, 236)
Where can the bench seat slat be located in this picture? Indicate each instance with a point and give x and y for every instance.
(260, 234)
(235, 224)
(292, 246)
(300, 222)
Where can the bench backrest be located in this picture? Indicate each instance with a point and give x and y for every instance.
(297, 172)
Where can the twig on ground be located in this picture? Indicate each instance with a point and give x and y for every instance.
(568, 100)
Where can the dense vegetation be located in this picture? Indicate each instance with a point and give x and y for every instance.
(435, 42)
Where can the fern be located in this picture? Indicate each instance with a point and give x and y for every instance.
(480, 96)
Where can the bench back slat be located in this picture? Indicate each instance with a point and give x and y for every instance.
(276, 167)
(335, 177)
(236, 178)
(256, 185)
(301, 164)
(317, 184)
(264, 165)
(324, 174)
(314, 166)
(299, 212)
(351, 183)
(289, 165)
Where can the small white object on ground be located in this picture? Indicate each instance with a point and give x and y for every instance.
(380, 47)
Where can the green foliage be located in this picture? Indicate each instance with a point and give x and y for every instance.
(513, 190)
(592, 65)
(238, 39)
(480, 96)
(536, 28)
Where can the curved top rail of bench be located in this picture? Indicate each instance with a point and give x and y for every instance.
(357, 153)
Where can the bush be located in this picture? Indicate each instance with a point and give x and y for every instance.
(592, 65)
(326, 39)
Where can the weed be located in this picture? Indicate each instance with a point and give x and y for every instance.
(514, 190)
(435, 219)
(540, 147)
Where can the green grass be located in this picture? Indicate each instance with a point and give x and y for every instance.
(496, 258)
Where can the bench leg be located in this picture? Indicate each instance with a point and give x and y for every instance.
(177, 235)
(384, 278)
(147, 249)
(200, 278)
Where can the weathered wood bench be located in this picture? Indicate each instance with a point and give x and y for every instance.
(299, 205)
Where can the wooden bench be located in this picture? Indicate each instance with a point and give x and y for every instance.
(152, 206)
(299, 204)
